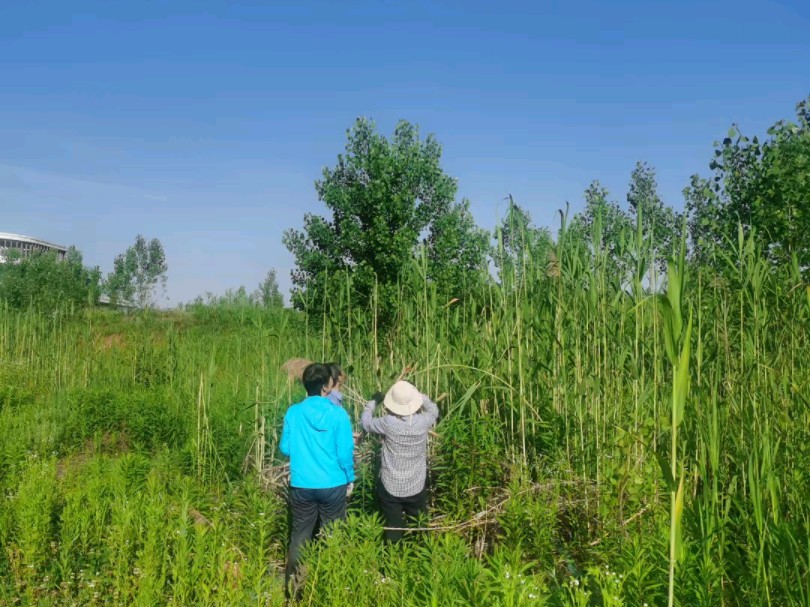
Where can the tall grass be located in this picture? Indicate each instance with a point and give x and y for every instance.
(571, 452)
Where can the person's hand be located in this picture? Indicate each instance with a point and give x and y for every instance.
(349, 489)
(378, 397)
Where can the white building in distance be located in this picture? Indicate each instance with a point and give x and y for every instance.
(27, 245)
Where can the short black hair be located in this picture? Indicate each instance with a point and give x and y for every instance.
(315, 377)
(335, 370)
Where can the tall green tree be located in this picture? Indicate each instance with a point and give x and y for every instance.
(268, 294)
(660, 224)
(139, 274)
(457, 252)
(518, 241)
(702, 213)
(604, 227)
(763, 186)
(381, 196)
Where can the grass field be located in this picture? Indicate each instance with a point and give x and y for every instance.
(599, 445)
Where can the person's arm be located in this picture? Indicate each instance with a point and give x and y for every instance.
(345, 445)
(369, 422)
(284, 444)
(430, 411)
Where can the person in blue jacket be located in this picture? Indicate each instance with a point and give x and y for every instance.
(317, 437)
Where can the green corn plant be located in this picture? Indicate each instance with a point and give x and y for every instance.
(677, 341)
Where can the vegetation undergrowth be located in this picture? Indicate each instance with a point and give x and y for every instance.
(125, 445)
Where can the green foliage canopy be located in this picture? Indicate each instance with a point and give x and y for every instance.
(43, 281)
(138, 273)
(383, 195)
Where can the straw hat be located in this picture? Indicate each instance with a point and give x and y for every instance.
(403, 399)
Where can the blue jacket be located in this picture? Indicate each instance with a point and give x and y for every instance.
(317, 437)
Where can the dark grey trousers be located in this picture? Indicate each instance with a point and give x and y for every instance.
(308, 506)
(397, 511)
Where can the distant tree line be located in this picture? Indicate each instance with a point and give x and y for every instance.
(41, 280)
(390, 205)
(138, 279)
(267, 295)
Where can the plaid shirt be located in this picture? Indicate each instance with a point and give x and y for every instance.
(404, 446)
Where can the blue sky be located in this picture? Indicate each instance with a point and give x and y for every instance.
(205, 123)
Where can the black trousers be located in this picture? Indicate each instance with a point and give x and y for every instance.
(308, 506)
(396, 510)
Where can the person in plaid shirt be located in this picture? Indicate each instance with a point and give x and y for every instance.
(404, 428)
